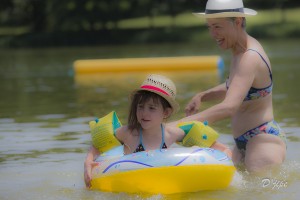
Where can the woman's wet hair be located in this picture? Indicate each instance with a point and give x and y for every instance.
(141, 97)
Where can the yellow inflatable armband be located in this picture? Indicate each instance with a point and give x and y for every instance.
(103, 132)
(198, 133)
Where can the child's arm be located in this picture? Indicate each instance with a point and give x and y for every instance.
(222, 147)
(89, 164)
(176, 134)
(121, 134)
(124, 136)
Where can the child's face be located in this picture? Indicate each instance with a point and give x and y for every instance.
(151, 114)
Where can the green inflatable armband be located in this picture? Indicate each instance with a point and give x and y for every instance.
(198, 133)
(103, 132)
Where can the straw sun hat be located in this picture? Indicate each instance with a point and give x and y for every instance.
(225, 8)
(162, 86)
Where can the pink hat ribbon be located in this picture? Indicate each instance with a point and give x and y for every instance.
(155, 89)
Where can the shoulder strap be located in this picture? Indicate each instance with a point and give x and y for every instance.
(141, 138)
(264, 62)
(163, 136)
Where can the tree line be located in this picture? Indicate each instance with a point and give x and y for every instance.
(89, 15)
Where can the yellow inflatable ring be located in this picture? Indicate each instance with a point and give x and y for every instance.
(163, 171)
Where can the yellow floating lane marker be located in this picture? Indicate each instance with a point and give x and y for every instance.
(205, 63)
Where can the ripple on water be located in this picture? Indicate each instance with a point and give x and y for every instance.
(279, 183)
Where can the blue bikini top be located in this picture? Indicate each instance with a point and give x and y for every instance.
(141, 147)
(256, 93)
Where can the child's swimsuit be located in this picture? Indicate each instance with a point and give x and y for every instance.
(268, 127)
(141, 147)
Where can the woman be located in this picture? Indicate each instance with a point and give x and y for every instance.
(246, 96)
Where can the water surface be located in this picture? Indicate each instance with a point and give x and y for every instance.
(45, 110)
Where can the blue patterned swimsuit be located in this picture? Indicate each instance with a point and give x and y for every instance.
(256, 93)
(271, 127)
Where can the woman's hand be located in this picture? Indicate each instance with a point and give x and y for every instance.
(193, 106)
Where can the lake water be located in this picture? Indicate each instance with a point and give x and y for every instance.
(45, 110)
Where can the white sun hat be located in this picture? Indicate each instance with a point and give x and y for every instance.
(225, 8)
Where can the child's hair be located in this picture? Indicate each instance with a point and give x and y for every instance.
(141, 97)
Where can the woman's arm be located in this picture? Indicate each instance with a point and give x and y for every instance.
(242, 80)
(212, 114)
(216, 93)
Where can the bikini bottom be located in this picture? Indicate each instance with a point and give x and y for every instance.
(271, 127)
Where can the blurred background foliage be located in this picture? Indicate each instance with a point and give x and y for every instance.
(86, 22)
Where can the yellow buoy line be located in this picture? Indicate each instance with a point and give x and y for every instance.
(183, 63)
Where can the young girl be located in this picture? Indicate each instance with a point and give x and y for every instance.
(151, 105)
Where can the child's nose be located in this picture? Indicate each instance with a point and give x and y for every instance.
(145, 112)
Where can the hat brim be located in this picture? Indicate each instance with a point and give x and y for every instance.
(247, 12)
(173, 104)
